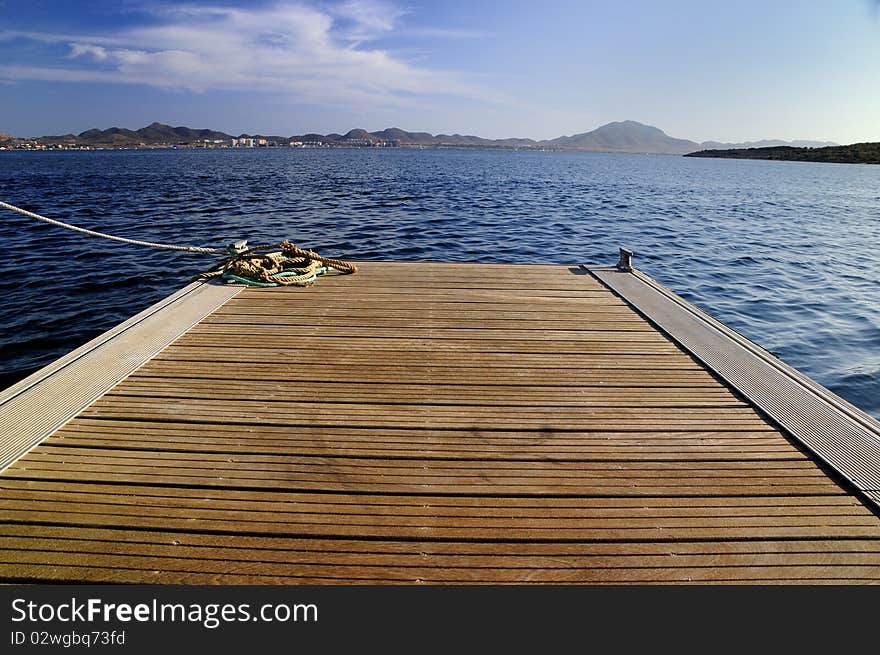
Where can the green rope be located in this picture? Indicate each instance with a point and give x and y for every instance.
(231, 278)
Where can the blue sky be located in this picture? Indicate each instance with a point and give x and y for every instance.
(727, 71)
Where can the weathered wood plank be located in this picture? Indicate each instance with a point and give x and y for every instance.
(419, 375)
(526, 505)
(257, 546)
(390, 392)
(319, 344)
(430, 443)
(519, 361)
(71, 573)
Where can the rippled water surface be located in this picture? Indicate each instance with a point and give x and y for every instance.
(786, 253)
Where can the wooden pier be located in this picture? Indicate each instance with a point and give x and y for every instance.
(415, 423)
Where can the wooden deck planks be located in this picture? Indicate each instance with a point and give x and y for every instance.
(428, 423)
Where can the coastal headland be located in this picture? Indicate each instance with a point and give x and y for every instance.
(856, 153)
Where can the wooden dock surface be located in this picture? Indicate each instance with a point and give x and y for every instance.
(428, 423)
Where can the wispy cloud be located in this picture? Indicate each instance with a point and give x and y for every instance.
(81, 49)
(444, 33)
(314, 54)
(367, 19)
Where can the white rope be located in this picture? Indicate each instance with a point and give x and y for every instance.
(148, 244)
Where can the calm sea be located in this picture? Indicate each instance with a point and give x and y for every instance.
(786, 253)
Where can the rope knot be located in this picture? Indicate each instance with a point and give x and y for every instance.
(291, 266)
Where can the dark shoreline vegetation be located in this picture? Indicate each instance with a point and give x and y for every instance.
(856, 153)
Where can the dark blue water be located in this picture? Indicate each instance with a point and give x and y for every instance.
(786, 253)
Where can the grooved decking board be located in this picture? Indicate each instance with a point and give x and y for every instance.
(428, 423)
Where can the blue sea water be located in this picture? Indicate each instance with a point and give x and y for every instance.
(786, 253)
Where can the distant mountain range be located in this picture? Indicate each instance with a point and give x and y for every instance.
(766, 143)
(154, 133)
(632, 136)
(623, 136)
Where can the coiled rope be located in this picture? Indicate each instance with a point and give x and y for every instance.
(291, 266)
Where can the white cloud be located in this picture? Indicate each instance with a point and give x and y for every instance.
(370, 17)
(444, 33)
(83, 49)
(13, 73)
(315, 55)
